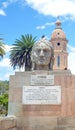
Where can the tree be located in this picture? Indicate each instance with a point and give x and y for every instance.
(20, 53)
(4, 86)
(2, 48)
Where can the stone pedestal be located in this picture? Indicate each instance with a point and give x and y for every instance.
(43, 116)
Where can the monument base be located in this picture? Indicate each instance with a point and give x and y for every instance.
(37, 123)
(46, 123)
(43, 116)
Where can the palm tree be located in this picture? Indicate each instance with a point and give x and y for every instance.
(2, 48)
(20, 53)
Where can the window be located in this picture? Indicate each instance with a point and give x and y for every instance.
(58, 61)
(58, 44)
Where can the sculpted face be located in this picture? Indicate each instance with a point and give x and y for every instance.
(42, 55)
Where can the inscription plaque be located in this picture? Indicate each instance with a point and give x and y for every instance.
(41, 95)
(42, 80)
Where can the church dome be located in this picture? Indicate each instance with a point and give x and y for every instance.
(58, 32)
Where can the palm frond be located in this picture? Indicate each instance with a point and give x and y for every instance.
(20, 53)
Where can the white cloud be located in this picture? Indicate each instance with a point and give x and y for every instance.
(47, 7)
(1, 78)
(5, 62)
(7, 48)
(54, 7)
(45, 25)
(40, 27)
(71, 48)
(8, 2)
(13, 1)
(7, 75)
(2, 12)
(71, 59)
(4, 4)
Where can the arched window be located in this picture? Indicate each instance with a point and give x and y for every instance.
(58, 61)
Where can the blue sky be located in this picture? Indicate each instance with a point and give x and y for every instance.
(36, 17)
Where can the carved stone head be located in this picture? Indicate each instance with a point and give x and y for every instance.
(42, 55)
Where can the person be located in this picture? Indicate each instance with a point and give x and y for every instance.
(42, 55)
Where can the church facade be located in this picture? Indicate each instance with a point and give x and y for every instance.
(59, 43)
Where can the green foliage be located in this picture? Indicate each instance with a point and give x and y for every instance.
(2, 49)
(4, 87)
(20, 54)
(4, 103)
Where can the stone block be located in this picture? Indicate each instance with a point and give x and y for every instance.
(66, 122)
(7, 123)
(37, 123)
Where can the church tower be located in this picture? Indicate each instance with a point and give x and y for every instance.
(59, 42)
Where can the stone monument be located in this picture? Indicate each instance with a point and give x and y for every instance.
(42, 99)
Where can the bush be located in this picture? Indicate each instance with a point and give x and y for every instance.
(4, 104)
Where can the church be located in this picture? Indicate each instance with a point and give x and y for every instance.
(59, 43)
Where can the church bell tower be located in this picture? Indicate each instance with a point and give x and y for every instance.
(59, 43)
